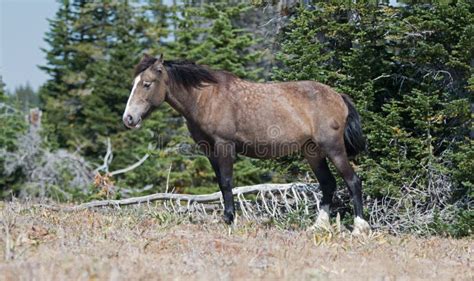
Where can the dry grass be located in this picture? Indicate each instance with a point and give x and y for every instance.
(145, 243)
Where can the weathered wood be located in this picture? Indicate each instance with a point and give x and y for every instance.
(204, 198)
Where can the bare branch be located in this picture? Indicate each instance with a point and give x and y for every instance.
(107, 159)
(168, 178)
(205, 198)
(133, 166)
(381, 76)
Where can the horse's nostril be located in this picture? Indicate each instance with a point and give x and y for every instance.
(129, 119)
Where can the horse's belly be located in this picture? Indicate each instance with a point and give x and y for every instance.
(271, 140)
(266, 150)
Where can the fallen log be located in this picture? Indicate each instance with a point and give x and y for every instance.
(204, 198)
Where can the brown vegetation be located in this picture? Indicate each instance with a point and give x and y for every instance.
(148, 243)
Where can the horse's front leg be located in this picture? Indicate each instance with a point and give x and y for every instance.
(222, 160)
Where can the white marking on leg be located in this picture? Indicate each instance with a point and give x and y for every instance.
(135, 83)
(325, 208)
(322, 222)
(323, 216)
(361, 226)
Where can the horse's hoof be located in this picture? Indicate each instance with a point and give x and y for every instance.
(321, 227)
(361, 227)
(228, 218)
(322, 222)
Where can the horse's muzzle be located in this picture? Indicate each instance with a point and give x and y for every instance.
(130, 122)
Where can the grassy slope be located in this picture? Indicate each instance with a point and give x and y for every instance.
(143, 243)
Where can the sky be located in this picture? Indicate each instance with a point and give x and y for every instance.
(23, 24)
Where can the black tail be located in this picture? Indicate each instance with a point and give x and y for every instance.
(353, 137)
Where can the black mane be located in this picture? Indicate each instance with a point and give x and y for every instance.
(182, 73)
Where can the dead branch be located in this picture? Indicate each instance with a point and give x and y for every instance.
(131, 167)
(42, 168)
(108, 159)
(205, 198)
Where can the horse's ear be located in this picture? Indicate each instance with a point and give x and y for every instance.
(146, 57)
(158, 65)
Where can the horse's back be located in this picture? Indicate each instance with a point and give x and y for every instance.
(308, 99)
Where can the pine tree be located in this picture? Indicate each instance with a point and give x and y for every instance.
(155, 19)
(210, 35)
(105, 106)
(54, 94)
(79, 40)
(111, 76)
(2, 90)
(25, 97)
(13, 124)
(408, 70)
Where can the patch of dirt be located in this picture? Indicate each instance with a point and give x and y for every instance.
(143, 243)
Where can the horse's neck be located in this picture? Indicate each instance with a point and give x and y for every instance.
(183, 101)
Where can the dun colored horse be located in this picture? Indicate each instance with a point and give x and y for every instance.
(227, 116)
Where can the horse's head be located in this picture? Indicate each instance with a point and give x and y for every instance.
(148, 91)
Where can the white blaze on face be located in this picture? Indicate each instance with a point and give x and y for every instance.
(135, 83)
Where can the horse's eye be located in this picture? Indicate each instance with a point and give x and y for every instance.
(146, 84)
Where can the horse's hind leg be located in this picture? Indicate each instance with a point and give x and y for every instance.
(338, 156)
(327, 183)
